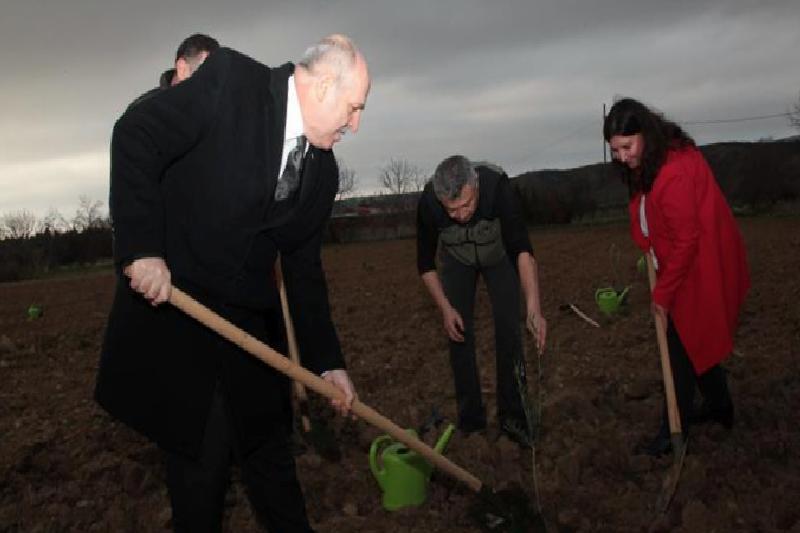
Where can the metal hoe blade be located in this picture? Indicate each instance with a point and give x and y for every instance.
(679, 446)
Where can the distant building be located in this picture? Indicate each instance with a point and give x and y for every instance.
(376, 205)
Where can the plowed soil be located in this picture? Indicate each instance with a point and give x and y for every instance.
(65, 465)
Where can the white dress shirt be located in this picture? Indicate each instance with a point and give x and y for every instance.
(294, 124)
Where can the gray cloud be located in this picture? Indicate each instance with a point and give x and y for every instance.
(518, 82)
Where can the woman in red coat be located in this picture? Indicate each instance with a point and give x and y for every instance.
(679, 215)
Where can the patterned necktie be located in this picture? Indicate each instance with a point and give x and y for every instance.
(290, 178)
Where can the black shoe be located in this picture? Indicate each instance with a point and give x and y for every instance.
(707, 415)
(517, 431)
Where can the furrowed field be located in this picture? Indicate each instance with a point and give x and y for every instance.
(66, 466)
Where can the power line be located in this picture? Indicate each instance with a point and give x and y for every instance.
(548, 146)
(742, 119)
(542, 149)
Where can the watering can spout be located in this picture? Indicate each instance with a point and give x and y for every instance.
(623, 293)
(441, 444)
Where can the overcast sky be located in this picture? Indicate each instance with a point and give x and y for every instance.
(521, 83)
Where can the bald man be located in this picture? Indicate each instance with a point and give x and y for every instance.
(210, 181)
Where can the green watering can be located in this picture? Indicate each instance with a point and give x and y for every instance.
(34, 312)
(403, 474)
(608, 300)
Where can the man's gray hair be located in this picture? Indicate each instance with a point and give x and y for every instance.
(336, 51)
(452, 175)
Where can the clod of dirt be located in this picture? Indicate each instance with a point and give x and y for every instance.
(6, 346)
(570, 518)
(569, 468)
(638, 390)
(507, 449)
(350, 509)
(661, 524)
(165, 517)
(639, 463)
(310, 460)
(696, 517)
(134, 479)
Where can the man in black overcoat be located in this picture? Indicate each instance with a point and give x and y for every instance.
(210, 180)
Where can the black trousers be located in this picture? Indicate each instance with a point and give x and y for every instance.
(459, 282)
(713, 383)
(197, 487)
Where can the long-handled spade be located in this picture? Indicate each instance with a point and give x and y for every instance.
(315, 433)
(676, 434)
(504, 512)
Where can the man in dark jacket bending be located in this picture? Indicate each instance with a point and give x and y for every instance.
(474, 219)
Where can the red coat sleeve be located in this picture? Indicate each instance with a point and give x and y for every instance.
(682, 229)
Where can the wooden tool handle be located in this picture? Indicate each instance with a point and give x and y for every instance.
(291, 338)
(666, 368)
(250, 344)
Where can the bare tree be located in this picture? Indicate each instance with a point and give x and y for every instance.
(89, 214)
(54, 221)
(347, 180)
(794, 114)
(399, 176)
(421, 180)
(20, 224)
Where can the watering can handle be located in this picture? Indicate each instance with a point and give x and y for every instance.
(599, 291)
(378, 472)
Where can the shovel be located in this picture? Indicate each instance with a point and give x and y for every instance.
(676, 434)
(502, 512)
(317, 433)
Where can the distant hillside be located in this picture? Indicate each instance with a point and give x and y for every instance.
(752, 175)
(757, 175)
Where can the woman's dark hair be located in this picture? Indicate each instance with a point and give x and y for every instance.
(629, 117)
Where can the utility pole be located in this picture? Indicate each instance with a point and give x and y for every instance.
(601, 129)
